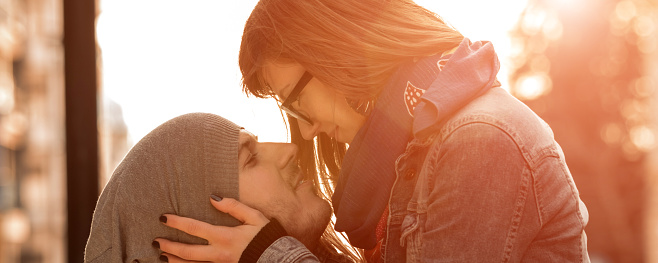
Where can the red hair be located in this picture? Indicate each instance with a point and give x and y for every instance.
(352, 46)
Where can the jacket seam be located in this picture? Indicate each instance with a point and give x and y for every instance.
(519, 206)
(576, 199)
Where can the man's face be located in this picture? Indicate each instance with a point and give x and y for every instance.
(271, 181)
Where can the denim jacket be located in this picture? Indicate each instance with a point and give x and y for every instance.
(490, 185)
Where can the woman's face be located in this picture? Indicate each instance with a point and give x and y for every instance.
(327, 109)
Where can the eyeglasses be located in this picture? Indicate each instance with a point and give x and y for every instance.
(287, 104)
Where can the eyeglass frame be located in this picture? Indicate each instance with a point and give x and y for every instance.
(292, 97)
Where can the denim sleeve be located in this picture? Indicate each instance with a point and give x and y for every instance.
(287, 249)
(476, 191)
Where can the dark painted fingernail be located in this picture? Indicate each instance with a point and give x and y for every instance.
(164, 258)
(156, 244)
(216, 198)
(163, 219)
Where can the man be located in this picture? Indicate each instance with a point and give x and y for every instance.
(171, 173)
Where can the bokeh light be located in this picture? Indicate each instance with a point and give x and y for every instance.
(533, 86)
(15, 226)
(611, 134)
(601, 62)
(643, 138)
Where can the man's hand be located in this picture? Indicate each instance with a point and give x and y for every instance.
(225, 244)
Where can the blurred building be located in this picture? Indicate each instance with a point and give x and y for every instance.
(32, 153)
(114, 139)
(651, 69)
(33, 205)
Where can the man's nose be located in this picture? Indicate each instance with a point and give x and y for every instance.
(287, 153)
(308, 131)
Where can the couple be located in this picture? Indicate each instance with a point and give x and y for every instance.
(442, 164)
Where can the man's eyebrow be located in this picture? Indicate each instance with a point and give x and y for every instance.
(244, 144)
(247, 143)
(244, 147)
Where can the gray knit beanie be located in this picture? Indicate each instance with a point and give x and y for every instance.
(174, 169)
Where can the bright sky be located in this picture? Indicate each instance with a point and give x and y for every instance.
(164, 58)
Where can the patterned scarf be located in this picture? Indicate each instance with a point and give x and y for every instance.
(418, 96)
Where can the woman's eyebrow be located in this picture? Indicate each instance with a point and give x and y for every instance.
(281, 93)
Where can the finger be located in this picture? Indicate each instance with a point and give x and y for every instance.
(201, 229)
(166, 257)
(188, 225)
(185, 251)
(240, 211)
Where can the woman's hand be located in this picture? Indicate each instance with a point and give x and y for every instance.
(225, 244)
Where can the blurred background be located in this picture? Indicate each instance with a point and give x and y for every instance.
(82, 80)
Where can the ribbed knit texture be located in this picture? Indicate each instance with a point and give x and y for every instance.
(221, 155)
(174, 169)
(270, 233)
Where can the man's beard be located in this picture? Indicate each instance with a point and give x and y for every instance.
(308, 227)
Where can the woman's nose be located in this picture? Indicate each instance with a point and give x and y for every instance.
(308, 131)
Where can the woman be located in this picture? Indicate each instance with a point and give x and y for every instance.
(443, 164)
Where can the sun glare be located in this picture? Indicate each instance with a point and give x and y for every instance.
(181, 59)
(533, 86)
(161, 58)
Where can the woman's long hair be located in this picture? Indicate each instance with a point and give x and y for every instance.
(352, 46)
